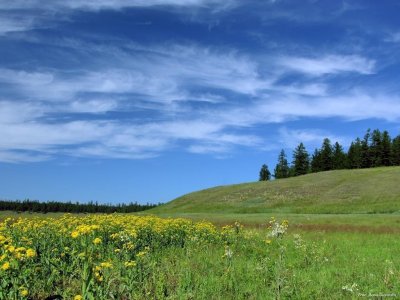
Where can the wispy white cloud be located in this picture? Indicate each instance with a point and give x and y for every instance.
(10, 23)
(234, 89)
(160, 75)
(330, 64)
(209, 149)
(157, 74)
(312, 89)
(35, 136)
(15, 112)
(93, 106)
(19, 157)
(118, 4)
(393, 37)
(107, 4)
(23, 77)
(312, 138)
(25, 15)
(223, 143)
(211, 131)
(113, 139)
(353, 106)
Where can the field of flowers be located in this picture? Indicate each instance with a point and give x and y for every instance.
(146, 257)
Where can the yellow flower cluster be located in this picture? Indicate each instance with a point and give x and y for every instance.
(96, 246)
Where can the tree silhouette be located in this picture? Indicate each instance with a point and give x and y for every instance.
(282, 169)
(265, 174)
(301, 162)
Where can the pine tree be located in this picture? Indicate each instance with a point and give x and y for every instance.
(316, 165)
(265, 174)
(354, 155)
(326, 155)
(282, 168)
(386, 149)
(339, 157)
(365, 150)
(301, 162)
(375, 148)
(396, 151)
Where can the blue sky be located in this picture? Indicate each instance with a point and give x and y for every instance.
(118, 101)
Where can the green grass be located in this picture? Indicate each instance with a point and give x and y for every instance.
(303, 222)
(365, 191)
(319, 270)
(336, 252)
(347, 222)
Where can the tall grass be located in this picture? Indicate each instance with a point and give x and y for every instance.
(129, 257)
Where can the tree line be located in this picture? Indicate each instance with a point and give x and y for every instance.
(376, 149)
(69, 207)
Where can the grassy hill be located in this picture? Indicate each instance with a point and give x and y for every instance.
(374, 190)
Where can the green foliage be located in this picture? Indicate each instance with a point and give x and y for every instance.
(90, 257)
(386, 150)
(274, 261)
(316, 163)
(354, 155)
(265, 174)
(54, 206)
(366, 151)
(326, 155)
(282, 169)
(376, 149)
(301, 162)
(395, 156)
(339, 157)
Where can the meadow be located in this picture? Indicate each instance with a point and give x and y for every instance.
(331, 235)
(357, 191)
(147, 257)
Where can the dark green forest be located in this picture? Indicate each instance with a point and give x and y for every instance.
(375, 149)
(69, 207)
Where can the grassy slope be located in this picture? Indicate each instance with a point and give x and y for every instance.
(374, 190)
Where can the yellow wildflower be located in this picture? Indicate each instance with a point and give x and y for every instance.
(5, 266)
(74, 234)
(30, 253)
(78, 297)
(141, 253)
(97, 268)
(24, 292)
(106, 265)
(97, 241)
(98, 276)
(19, 255)
(130, 263)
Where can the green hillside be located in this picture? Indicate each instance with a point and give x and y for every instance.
(375, 190)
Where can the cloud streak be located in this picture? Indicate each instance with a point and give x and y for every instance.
(137, 101)
(24, 15)
(107, 4)
(9, 23)
(211, 131)
(330, 64)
